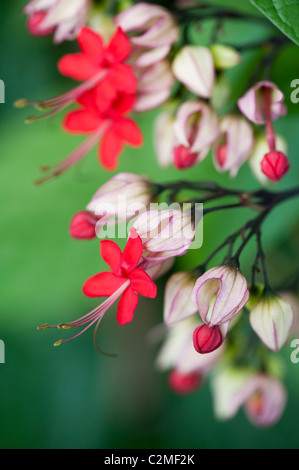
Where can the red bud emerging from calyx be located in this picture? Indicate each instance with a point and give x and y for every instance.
(275, 165)
(82, 226)
(183, 383)
(221, 154)
(183, 158)
(34, 21)
(207, 338)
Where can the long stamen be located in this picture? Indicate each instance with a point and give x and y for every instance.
(90, 318)
(75, 156)
(61, 101)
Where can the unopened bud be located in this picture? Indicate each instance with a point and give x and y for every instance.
(207, 338)
(183, 158)
(275, 165)
(225, 57)
(82, 226)
(184, 383)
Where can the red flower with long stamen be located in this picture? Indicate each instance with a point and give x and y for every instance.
(124, 282)
(107, 123)
(97, 66)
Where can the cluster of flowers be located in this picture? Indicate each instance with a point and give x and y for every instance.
(144, 66)
(141, 66)
(199, 309)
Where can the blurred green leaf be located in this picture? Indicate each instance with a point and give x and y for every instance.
(283, 13)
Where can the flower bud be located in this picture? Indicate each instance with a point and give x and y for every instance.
(178, 304)
(207, 338)
(234, 144)
(253, 106)
(152, 31)
(183, 158)
(194, 67)
(260, 148)
(154, 85)
(275, 165)
(178, 353)
(220, 294)
(165, 233)
(264, 406)
(263, 396)
(225, 57)
(196, 127)
(184, 383)
(65, 18)
(82, 225)
(122, 197)
(34, 24)
(272, 320)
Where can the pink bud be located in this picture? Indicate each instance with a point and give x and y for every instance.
(82, 226)
(34, 22)
(253, 103)
(183, 383)
(275, 165)
(234, 145)
(63, 18)
(196, 127)
(207, 338)
(183, 158)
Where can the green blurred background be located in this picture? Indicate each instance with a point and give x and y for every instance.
(72, 397)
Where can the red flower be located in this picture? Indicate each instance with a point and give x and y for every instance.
(105, 119)
(123, 283)
(95, 58)
(124, 270)
(105, 96)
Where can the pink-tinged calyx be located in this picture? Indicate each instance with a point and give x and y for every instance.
(220, 294)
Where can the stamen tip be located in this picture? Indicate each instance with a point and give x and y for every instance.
(64, 326)
(21, 103)
(31, 119)
(58, 343)
(43, 327)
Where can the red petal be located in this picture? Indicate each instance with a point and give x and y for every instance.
(91, 44)
(122, 77)
(105, 93)
(77, 66)
(110, 148)
(123, 104)
(118, 48)
(126, 306)
(102, 284)
(81, 121)
(132, 252)
(128, 131)
(142, 283)
(111, 254)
